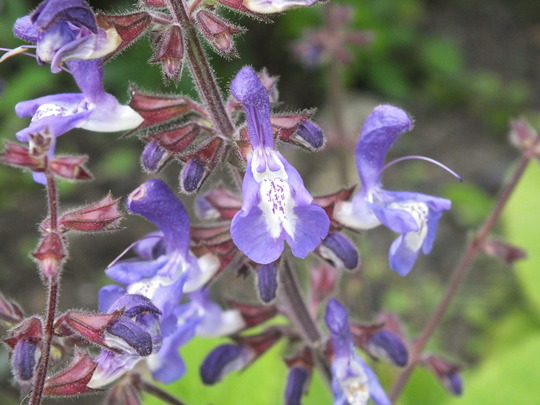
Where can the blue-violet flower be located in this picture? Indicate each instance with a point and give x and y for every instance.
(65, 30)
(414, 216)
(353, 382)
(276, 206)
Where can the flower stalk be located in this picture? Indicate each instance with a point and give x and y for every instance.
(53, 285)
(474, 247)
(201, 72)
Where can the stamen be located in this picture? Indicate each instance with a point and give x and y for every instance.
(435, 162)
(129, 248)
(17, 51)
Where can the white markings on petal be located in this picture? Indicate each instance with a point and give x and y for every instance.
(413, 240)
(353, 382)
(276, 201)
(50, 110)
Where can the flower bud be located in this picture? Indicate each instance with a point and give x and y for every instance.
(296, 385)
(446, 372)
(50, 255)
(311, 134)
(267, 282)
(338, 250)
(222, 360)
(389, 346)
(254, 315)
(24, 360)
(154, 157)
(192, 176)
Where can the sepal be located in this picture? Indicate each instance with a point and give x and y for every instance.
(70, 167)
(218, 31)
(50, 254)
(447, 373)
(10, 312)
(169, 51)
(73, 379)
(129, 27)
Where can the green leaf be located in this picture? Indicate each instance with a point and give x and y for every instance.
(521, 224)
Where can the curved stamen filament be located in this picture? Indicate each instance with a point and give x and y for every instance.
(17, 51)
(129, 248)
(435, 162)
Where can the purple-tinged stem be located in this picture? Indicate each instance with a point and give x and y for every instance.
(201, 72)
(52, 299)
(462, 269)
(301, 317)
(157, 392)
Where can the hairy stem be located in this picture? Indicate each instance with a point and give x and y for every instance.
(200, 70)
(462, 269)
(301, 317)
(52, 300)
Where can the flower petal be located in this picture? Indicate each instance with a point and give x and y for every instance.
(312, 226)
(381, 129)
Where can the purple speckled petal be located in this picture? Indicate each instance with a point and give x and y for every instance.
(249, 234)
(312, 226)
(56, 125)
(157, 203)
(381, 129)
(247, 88)
(65, 101)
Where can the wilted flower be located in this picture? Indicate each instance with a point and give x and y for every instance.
(276, 207)
(414, 216)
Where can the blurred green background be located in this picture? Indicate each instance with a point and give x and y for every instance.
(462, 69)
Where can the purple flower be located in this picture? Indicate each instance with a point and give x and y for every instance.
(414, 216)
(276, 206)
(353, 382)
(276, 6)
(135, 335)
(164, 270)
(93, 109)
(65, 30)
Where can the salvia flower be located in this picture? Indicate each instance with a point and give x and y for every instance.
(353, 382)
(65, 30)
(164, 270)
(93, 109)
(276, 6)
(133, 336)
(414, 216)
(276, 206)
